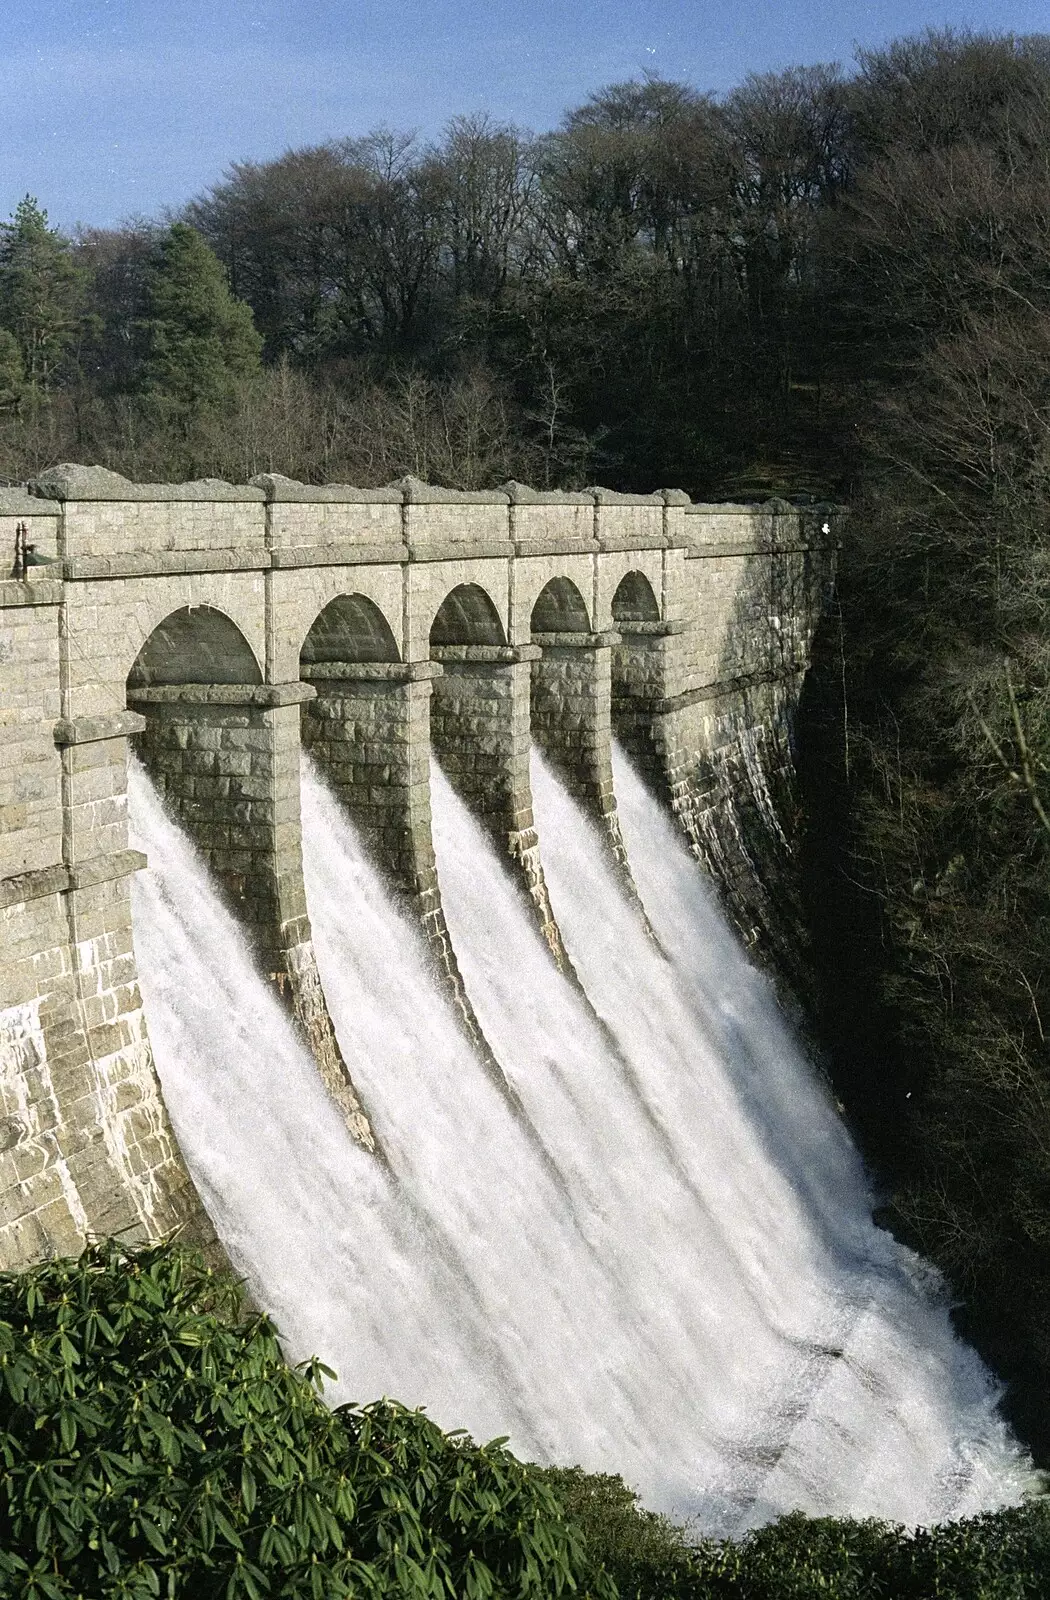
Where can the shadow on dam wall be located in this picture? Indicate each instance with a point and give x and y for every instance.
(223, 628)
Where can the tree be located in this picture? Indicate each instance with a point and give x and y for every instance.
(41, 294)
(788, 133)
(12, 377)
(116, 262)
(484, 181)
(336, 247)
(946, 86)
(201, 343)
(621, 172)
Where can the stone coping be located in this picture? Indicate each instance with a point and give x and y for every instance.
(35, 884)
(89, 730)
(659, 497)
(618, 543)
(737, 508)
(500, 655)
(575, 641)
(460, 550)
(370, 671)
(20, 503)
(413, 491)
(752, 547)
(69, 481)
(103, 869)
(555, 546)
(662, 706)
(30, 592)
(293, 557)
(164, 563)
(654, 630)
(40, 882)
(774, 506)
(275, 486)
(520, 494)
(417, 493)
(265, 695)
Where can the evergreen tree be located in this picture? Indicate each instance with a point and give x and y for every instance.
(12, 375)
(41, 294)
(201, 343)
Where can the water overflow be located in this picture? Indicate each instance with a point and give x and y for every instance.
(694, 1295)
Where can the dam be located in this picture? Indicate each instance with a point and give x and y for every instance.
(355, 871)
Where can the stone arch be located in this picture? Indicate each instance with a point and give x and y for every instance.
(195, 644)
(467, 616)
(560, 608)
(634, 600)
(350, 628)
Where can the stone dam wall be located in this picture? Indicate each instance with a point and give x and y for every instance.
(217, 629)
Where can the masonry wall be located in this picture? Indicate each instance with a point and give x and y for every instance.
(571, 712)
(31, 775)
(370, 735)
(702, 694)
(85, 1142)
(479, 727)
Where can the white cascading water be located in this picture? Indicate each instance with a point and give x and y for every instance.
(666, 1267)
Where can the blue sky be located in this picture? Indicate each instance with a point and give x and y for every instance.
(112, 108)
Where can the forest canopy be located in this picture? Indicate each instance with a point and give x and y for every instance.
(638, 295)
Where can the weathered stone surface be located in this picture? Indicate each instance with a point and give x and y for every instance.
(369, 731)
(275, 486)
(32, 590)
(687, 638)
(479, 726)
(68, 481)
(19, 503)
(90, 730)
(85, 1143)
(415, 492)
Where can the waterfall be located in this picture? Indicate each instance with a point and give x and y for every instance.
(656, 1257)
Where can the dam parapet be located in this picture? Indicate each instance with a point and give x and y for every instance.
(217, 629)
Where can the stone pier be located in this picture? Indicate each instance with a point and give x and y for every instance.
(225, 758)
(369, 732)
(643, 670)
(479, 726)
(572, 720)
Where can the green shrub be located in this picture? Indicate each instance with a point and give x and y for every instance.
(153, 1445)
(1003, 1555)
(648, 1556)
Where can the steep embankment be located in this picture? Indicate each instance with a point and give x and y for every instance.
(924, 734)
